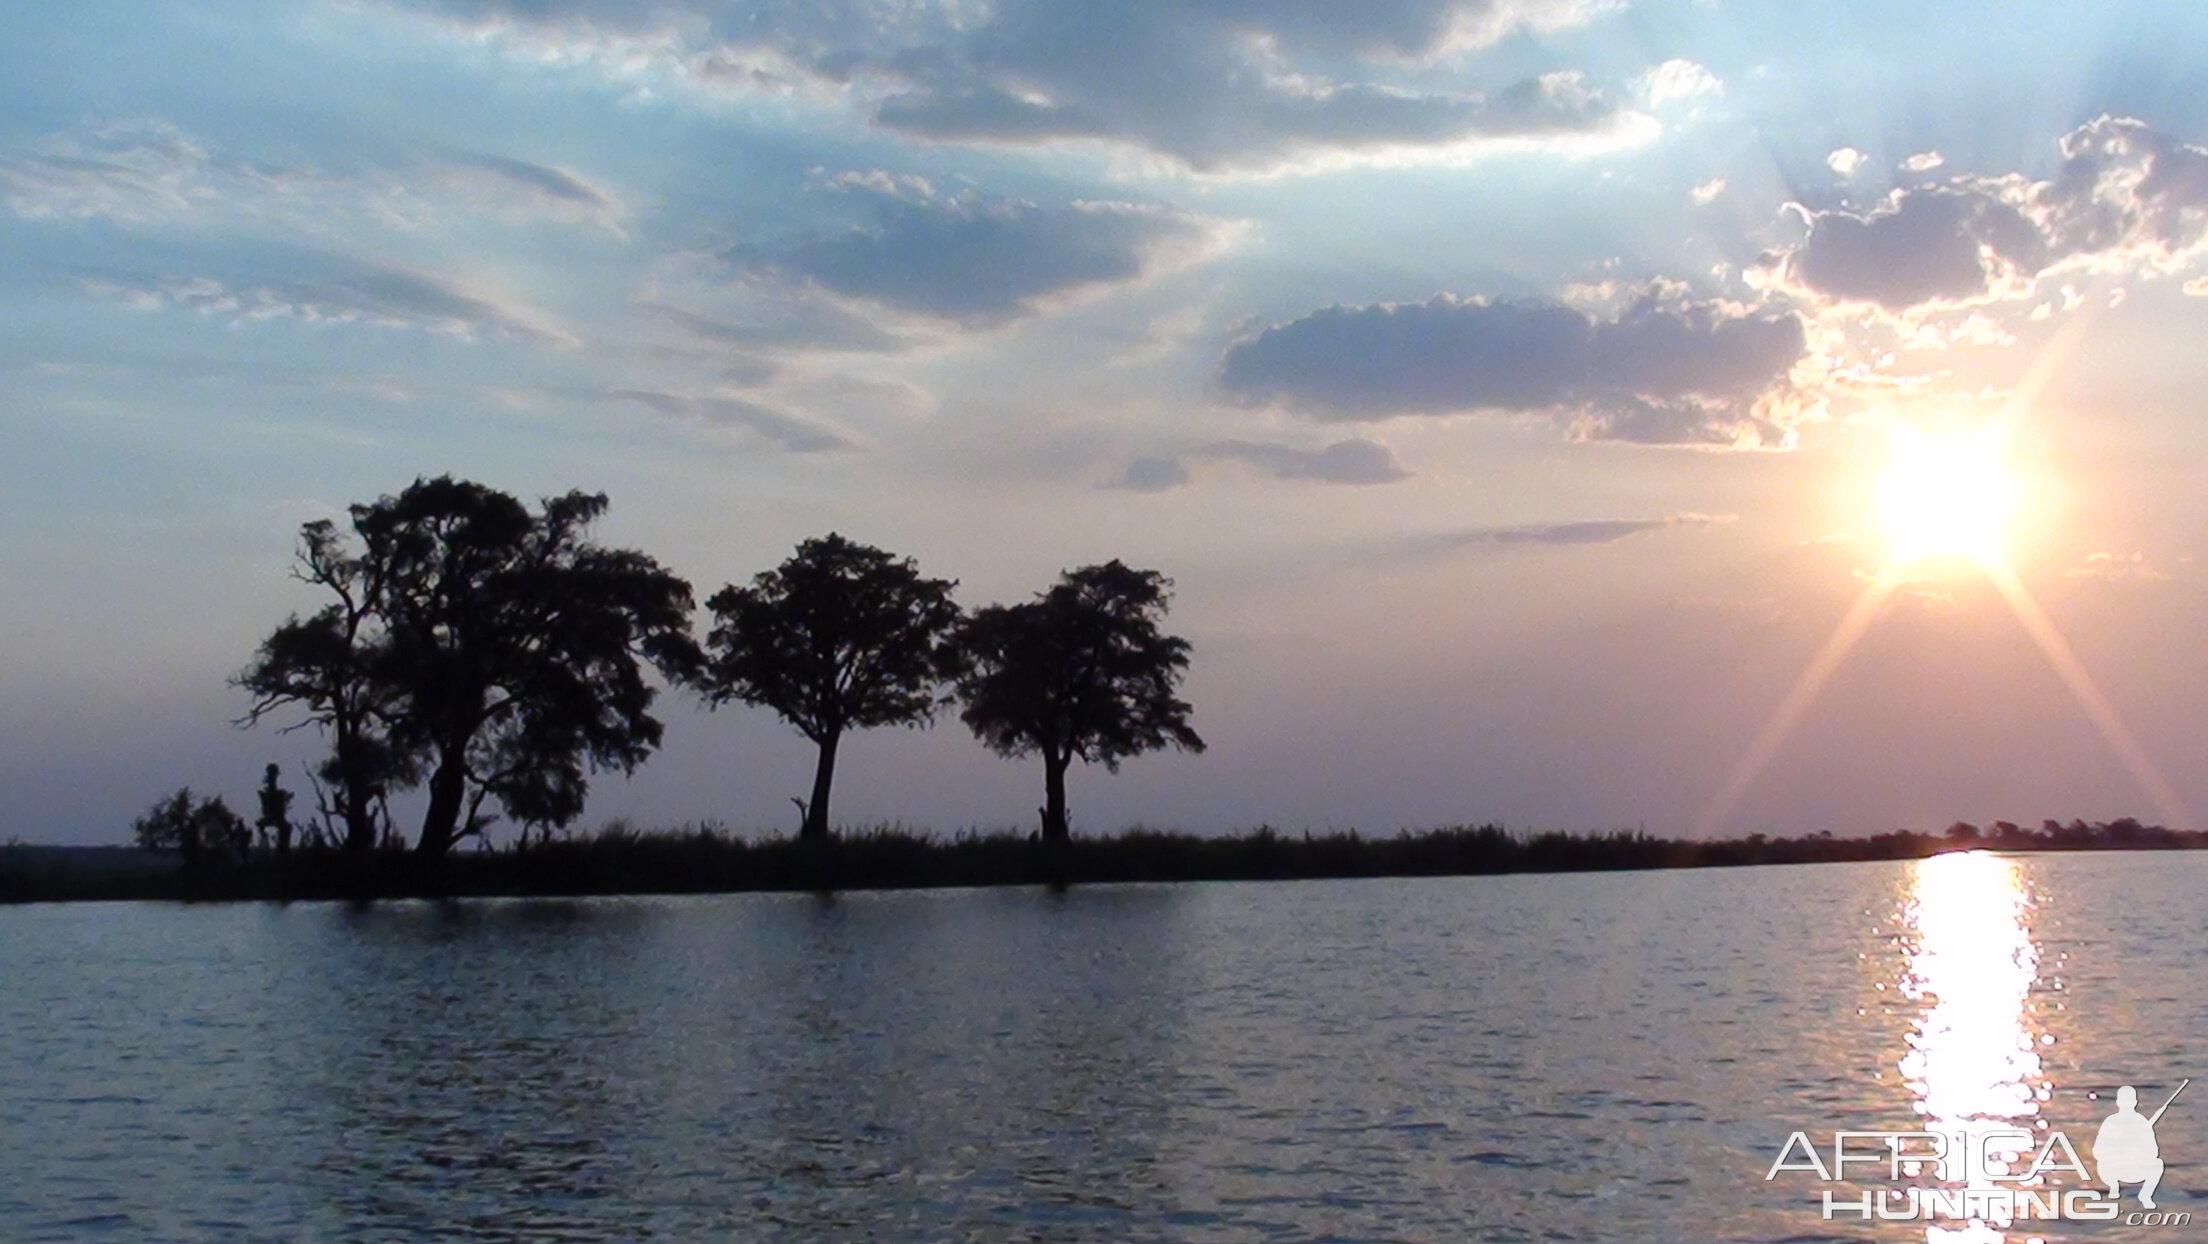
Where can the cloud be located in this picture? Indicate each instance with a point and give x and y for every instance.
(975, 260)
(1676, 80)
(1584, 532)
(719, 411)
(1208, 84)
(788, 323)
(1706, 193)
(1354, 461)
(1919, 246)
(373, 296)
(1667, 370)
(1847, 162)
(1923, 162)
(517, 189)
(2126, 199)
(147, 170)
(1343, 462)
(2117, 567)
(132, 171)
(1155, 474)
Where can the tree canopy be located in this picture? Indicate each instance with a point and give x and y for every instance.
(1082, 671)
(841, 636)
(491, 652)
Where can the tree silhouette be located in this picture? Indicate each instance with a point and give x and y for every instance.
(842, 636)
(488, 651)
(330, 665)
(1082, 671)
(193, 829)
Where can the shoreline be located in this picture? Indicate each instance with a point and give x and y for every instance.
(622, 862)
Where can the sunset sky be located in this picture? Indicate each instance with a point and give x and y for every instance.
(1505, 384)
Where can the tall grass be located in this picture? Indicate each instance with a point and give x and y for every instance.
(621, 859)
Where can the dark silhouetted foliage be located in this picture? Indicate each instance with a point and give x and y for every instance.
(487, 651)
(621, 860)
(198, 830)
(842, 636)
(1082, 671)
(330, 666)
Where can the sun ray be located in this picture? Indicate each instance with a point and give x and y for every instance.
(1781, 723)
(2079, 680)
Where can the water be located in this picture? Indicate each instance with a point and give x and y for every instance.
(1614, 1057)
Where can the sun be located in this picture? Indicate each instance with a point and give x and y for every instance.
(1947, 496)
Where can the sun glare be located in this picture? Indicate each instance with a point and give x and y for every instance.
(1947, 496)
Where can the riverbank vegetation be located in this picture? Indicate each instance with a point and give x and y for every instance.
(618, 859)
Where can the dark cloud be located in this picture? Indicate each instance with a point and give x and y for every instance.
(1343, 462)
(1152, 475)
(784, 430)
(1210, 83)
(1922, 246)
(1591, 531)
(1665, 371)
(975, 260)
(551, 182)
(2123, 191)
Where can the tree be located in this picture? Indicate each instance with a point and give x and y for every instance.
(1081, 671)
(191, 828)
(482, 649)
(330, 664)
(842, 636)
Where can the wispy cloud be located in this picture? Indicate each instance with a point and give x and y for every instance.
(1354, 461)
(370, 296)
(779, 428)
(1590, 531)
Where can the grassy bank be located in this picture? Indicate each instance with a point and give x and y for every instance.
(619, 860)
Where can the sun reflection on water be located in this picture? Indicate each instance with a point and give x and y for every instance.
(1973, 1063)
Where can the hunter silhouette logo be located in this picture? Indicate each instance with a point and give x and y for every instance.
(2124, 1150)
(1986, 1171)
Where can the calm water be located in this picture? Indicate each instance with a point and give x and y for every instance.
(1612, 1058)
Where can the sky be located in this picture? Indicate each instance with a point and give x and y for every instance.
(1504, 384)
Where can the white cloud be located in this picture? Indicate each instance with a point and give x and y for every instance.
(1847, 162)
(1676, 80)
(1923, 162)
(1707, 193)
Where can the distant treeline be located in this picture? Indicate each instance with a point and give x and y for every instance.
(620, 860)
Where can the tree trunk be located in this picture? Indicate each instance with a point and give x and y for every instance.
(1055, 828)
(360, 820)
(824, 777)
(359, 815)
(448, 787)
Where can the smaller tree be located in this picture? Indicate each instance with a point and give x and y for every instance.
(1082, 671)
(840, 637)
(193, 829)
